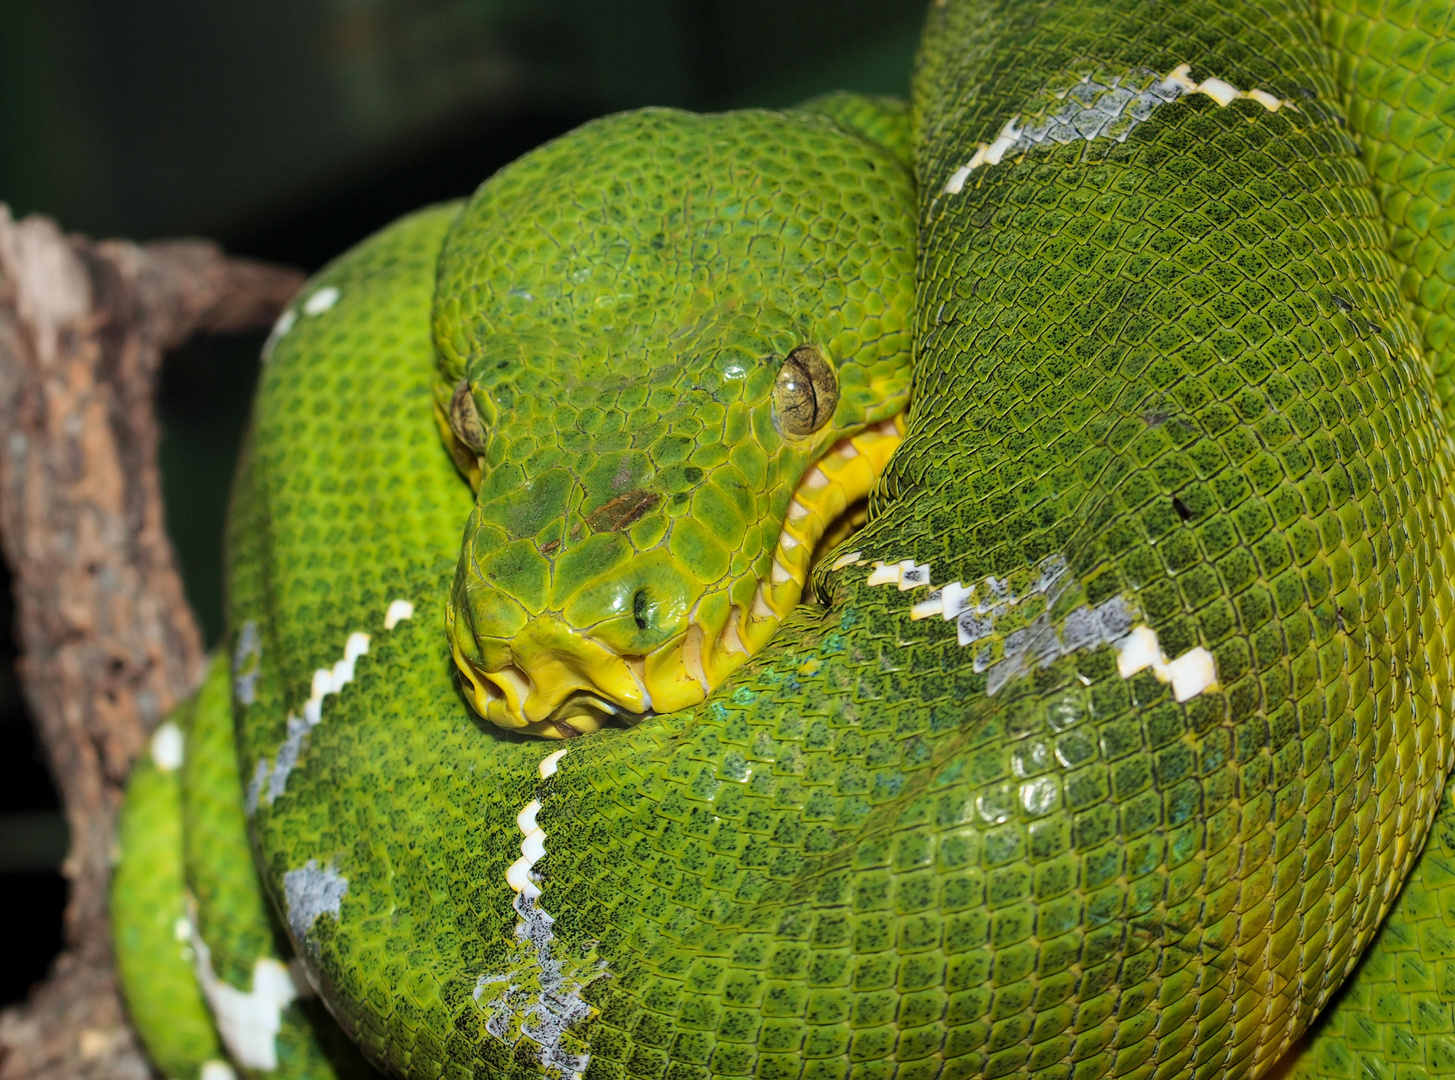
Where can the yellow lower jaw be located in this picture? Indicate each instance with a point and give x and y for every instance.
(682, 672)
(486, 697)
(843, 476)
(674, 674)
(570, 675)
(565, 689)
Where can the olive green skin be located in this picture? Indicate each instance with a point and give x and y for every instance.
(387, 281)
(1180, 362)
(1395, 1017)
(1395, 63)
(231, 911)
(883, 120)
(188, 829)
(621, 330)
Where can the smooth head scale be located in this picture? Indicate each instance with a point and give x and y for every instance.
(666, 378)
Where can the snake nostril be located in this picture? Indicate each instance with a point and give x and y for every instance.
(639, 609)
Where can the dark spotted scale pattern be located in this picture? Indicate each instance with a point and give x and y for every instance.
(1165, 380)
(1395, 61)
(1395, 1018)
(1179, 361)
(1396, 1015)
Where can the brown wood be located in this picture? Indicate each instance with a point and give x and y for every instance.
(108, 644)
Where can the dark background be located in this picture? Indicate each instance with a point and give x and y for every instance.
(288, 130)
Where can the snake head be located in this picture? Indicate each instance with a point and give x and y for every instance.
(674, 348)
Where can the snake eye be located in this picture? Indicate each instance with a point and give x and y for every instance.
(465, 419)
(805, 393)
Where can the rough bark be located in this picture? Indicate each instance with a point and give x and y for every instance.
(108, 642)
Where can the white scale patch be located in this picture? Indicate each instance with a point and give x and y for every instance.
(321, 301)
(311, 891)
(907, 574)
(399, 610)
(248, 1022)
(974, 609)
(213, 1069)
(1190, 674)
(247, 660)
(533, 847)
(317, 303)
(518, 1009)
(268, 783)
(286, 322)
(166, 747)
(271, 780)
(1101, 110)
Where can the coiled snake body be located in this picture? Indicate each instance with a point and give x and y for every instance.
(1114, 730)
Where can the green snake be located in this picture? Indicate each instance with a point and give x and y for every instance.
(1109, 737)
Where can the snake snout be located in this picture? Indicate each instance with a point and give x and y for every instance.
(545, 678)
(647, 631)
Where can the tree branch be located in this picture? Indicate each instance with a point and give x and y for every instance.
(108, 642)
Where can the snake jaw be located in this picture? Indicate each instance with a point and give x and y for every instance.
(568, 684)
(551, 678)
(682, 672)
(843, 476)
(674, 674)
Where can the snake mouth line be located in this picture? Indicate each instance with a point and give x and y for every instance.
(827, 505)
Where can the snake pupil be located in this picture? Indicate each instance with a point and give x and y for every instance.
(806, 392)
(465, 418)
(639, 609)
